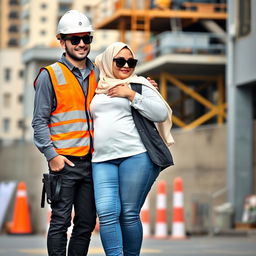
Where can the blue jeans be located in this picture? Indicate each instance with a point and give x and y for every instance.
(120, 188)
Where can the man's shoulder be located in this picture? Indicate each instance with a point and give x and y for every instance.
(43, 77)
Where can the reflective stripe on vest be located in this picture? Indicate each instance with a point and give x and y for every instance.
(70, 120)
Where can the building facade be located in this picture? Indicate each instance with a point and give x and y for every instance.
(10, 22)
(11, 95)
(40, 19)
(26, 25)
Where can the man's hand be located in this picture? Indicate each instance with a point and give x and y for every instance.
(123, 91)
(153, 82)
(57, 163)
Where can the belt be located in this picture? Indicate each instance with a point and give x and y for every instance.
(87, 157)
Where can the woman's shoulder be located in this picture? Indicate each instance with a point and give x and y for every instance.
(142, 81)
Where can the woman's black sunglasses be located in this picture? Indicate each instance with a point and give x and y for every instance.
(75, 40)
(120, 62)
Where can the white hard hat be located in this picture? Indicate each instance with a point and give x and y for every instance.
(73, 22)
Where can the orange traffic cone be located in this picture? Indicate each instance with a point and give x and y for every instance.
(144, 216)
(178, 226)
(21, 217)
(97, 226)
(161, 217)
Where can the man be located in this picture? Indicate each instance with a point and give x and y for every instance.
(63, 133)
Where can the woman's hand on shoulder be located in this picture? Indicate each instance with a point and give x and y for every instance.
(123, 91)
(153, 82)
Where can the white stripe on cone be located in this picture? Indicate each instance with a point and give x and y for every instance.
(161, 230)
(178, 199)
(161, 221)
(161, 201)
(21, 193)
(178, 230)
(178, 225)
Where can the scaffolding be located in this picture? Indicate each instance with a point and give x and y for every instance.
(165, 30)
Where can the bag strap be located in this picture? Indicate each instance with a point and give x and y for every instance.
(43, 195)
(58, 188)
(137, 87)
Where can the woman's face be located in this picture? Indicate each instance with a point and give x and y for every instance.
(125, 71)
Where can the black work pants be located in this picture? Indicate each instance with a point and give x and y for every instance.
(77, 192)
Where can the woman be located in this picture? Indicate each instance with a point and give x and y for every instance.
(123, 173)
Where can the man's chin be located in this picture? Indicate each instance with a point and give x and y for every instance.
(78, 57)
(83, 57)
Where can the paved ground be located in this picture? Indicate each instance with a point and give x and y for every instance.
(194, 246)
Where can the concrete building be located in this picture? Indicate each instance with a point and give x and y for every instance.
(10, 22)
(241, 93)
(11, 95)
(40, 19)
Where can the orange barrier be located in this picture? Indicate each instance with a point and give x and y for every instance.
(161, 217)
(178, 226)
(144, 216)
(21, 217)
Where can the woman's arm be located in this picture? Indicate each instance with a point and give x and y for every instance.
(149, 104)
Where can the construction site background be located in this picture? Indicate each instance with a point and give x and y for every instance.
(183, 46)
(200, 160)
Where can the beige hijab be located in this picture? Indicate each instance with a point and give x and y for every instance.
(107, 81)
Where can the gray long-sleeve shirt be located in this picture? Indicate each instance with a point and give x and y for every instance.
(44, 104)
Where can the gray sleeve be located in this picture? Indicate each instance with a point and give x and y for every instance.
(150, 105)
(43, 105)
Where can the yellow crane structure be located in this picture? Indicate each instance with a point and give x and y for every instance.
(190, 78)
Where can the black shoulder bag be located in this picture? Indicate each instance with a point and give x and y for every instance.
(156, 148)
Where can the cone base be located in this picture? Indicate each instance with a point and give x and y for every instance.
(178, 238)
(20, 234)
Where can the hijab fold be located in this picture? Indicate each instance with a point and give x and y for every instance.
(107, 81)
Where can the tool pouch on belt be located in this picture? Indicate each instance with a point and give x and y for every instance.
(51, 188)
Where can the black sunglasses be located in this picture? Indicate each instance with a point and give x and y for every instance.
(75, 40)
(120, 62)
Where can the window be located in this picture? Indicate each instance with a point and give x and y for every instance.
(13, 2)
(13, 15)
(13, 28)
(7, 74)
(42, 32)
(6, 125)
(7, 100)
(13, 42)
(20, 98)
(87, 10)
(64, 7)
(244, 27)
(43, 5)
(43, 19)
(21, 73)
(20, 123)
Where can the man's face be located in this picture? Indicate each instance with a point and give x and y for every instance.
(75, 47)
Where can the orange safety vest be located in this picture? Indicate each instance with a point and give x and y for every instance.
(71, 123)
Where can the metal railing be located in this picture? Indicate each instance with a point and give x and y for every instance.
(182, 43)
